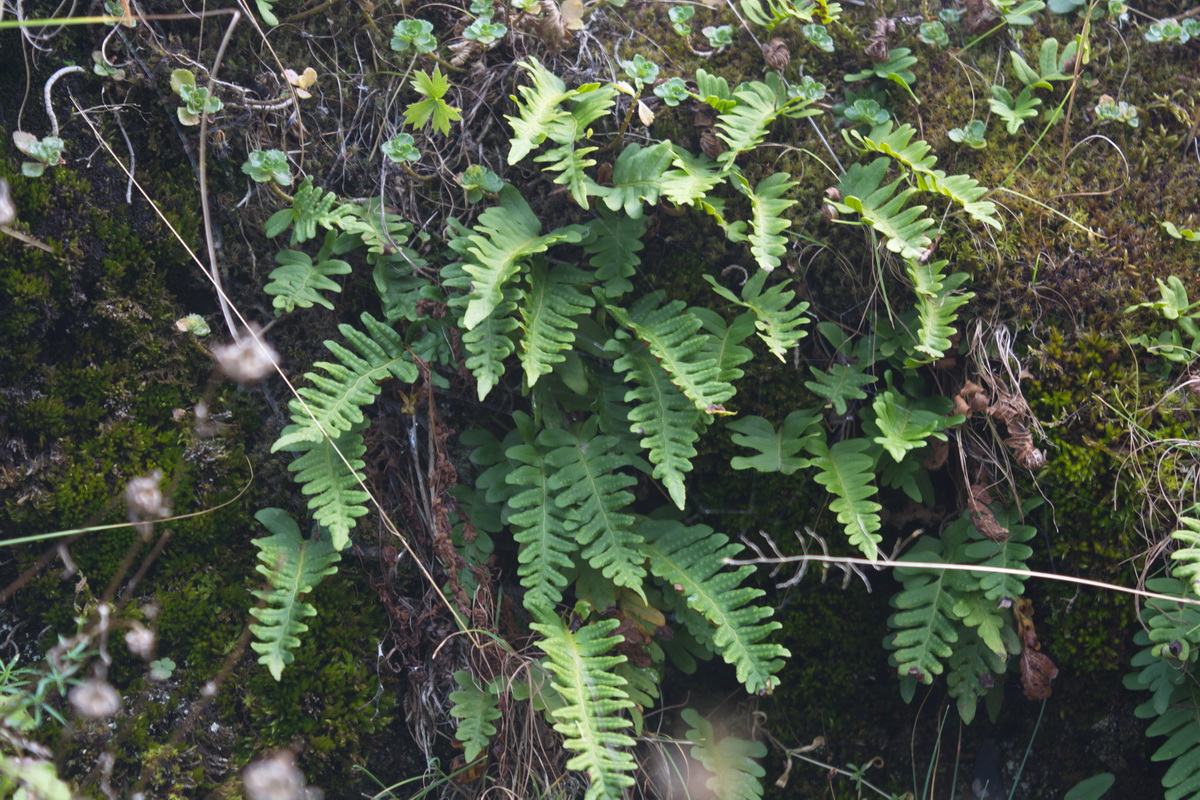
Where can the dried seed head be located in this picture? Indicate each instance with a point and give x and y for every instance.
(8, 211)
(144, 500)
(277, 778)
(828, 213)
(776, 54)
(94, 699)
(834, 194)
(247, 361)
(140, 640)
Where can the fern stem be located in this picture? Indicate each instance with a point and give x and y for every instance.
(615, 143)
(287, 198)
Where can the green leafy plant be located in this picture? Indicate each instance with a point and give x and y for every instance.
(264, 166)
(818, 35)
(894, 68)
(1014, 111)
(865, 111)
(416, 34)
(47, 151)
(934, 33)
(196, 99)
(719, 36)
(641, 70)
(680, 16)
(1173, 31)
(736, 773)
(475, 709)
(1180, 233)
(484, 31)
(299, 279)
(433, 110)
(973, 134)
(478, 181)
(1111, 110)
(672, 91)
(1173, 305)
(293, 567)
(401, 149)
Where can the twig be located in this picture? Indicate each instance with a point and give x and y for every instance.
(46, 95)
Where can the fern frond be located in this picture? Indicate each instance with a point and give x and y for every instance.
(973, 668)
(294, 566)
(545, 531)
(692, 561)
(898, 143)
(662, 415)
(744, 126)
(311, 206)
(905, 423)
(489, 343)
(937, 309)
(587, 485)
(1181, 725)
(767, 220)
(725, 342)
(637, 177)
(380, 230)
(337, 499)
(475, 709)
(595, 697)
(503, 236)
(613, 242)
(780, 327)
(777, 448)
(342, 388)
(1187, 559)
(1013, 553)
(298, 280)
(540, 109)
(839, 384)
(924, 622)
(884, 209)
(674, 338)
(846, 472)
(548, 308)
(692, 177)
(732, 761)
(571, 163)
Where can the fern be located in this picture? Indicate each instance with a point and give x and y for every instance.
(475, 709)
(777, 448)
(691, 560)
(299, 281)
(540, 109)
(504, 235)
(972, 669)
(845, 470)
(691, 179)
(587, 485)
(937, 309)
(544, 530)
(778, 326)
(736, 774)
(724, 344)
(613, 244)
(924, 620)
(884, 209)
(898, 143)
(594, 697)
(744, 126)
(311, 206)
(839, 384)
(334, 403)
(331, 471)
(1187, 558)
(548, 309)
(489, 343)
(637, 178)
(662, 415)
(906, 424)
(293, 566)
(674, 339)
(1014, 111)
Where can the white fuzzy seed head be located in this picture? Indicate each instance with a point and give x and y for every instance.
(247, 361)
(94, 699)
(144, 500)
(140, 641)
(277, 778)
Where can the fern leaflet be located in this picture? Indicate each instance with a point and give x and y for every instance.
(691, 559)
(331, 470)
(613, 242)
(745, 125)
(662, 415)
(777, 448)
(594, 698)
(547, 311)
(838, 384)
(298, 280)
(294, 566)
(924, 618)
(637, 177)
(767, 220)
(732, 761)
(489, 343)
(475, 709)
(541, 107)
(780, 327)
(846, 471)
(883, 208)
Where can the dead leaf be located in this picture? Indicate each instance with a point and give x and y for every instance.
(645, 114)
(572, 14)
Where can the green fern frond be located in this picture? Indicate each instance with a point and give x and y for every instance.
(588, 486)
(294, 566)
(613, 243)
(342, 388)
(744, 126)
(845, 470)
(780, 327)
(1187, 559)
(548, 308)
(503, 236)
(898, 143)
(298, 280)
(475, 709)
(777, 448)
(380, 230)
(490, 342)
(541, 108)
(595, 697)
(839, 384)
(924, 622)
(937, 309)
(571, 163)
(692, 177)
(674, 338)
(544, 530)
(905, 423)
(973, 669)
(1013, 553)
(311, 206)
(637, 178)
(691, 560)
(725, 342)
(331, 471)
(1181, 725)
(767, 220)
(641, 684)
(884, 209)
(665, 419)
(736, 773)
